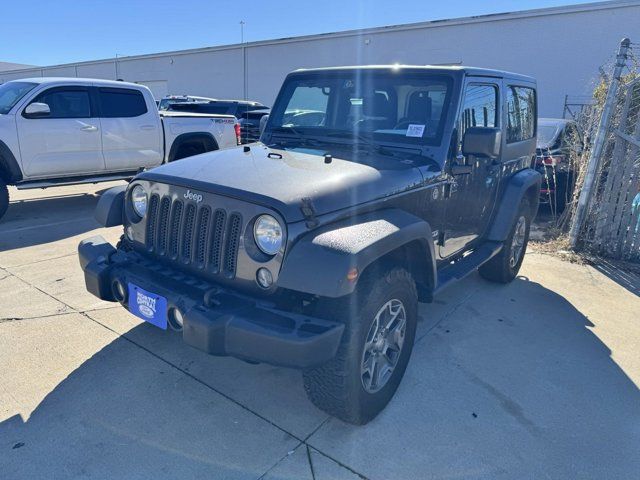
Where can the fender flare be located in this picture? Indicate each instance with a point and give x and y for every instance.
(319, 262)
(9, 167)
(209, 139)
(525, 183)
(110, 209)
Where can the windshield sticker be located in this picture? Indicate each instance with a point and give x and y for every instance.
(415, 130)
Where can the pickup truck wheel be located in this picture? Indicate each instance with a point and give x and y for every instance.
(4, 198)
(378, 339)
(504, 267)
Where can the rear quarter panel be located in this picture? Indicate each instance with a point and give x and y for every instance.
(222, 127)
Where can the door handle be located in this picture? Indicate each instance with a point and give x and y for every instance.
(147, 127)
(89, 128)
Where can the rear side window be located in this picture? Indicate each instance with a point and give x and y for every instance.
(521, 114)
(213, 109)
(207, 108)
(121, 102)
(66, 102)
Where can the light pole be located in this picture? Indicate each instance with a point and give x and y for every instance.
(117, 66)
(244, 60)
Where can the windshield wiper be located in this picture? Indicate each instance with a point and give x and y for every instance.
(361, 140)
(295, 136)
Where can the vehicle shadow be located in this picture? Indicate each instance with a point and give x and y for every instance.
(47, 219)
(512, 383)
(625, 275)
(124, 413)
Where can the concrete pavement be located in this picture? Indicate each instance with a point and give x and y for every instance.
(537, 379)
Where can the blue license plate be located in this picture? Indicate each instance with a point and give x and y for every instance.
(148, 306)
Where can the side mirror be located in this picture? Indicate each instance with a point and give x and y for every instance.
(37, 110)
(263, 123)
(482, 142)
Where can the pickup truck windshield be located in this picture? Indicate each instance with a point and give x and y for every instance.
(11, 93)
(386, 106)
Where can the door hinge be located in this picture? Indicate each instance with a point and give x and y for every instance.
(448, 189)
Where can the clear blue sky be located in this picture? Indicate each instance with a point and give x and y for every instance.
(61, 31)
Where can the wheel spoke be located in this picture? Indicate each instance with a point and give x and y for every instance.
(373, 372)
(385, 368)
(368, 370)
(372, 335)
(395, 338)
(394, 314)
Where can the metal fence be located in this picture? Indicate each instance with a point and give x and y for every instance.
(617, 218)
(606, 217)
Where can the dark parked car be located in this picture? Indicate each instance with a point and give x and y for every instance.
(557, 139)
(250, 124)
(247, 112)
(169, 100)
(312, 249)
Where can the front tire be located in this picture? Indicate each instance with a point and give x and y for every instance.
(380, 321)
(504, 267)
(4, 198)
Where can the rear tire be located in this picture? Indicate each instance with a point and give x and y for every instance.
(504, 267)
(4, 198)
(380, 321)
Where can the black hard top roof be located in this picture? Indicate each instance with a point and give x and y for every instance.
(465, 70)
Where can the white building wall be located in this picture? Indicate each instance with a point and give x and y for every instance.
(562, 47)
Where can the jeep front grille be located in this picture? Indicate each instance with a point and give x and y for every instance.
(199, 236)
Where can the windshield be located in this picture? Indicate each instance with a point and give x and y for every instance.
(390, 106)
(11, 93)
(546, 134)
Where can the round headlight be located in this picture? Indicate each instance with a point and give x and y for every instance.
(267, 232)
(139, 200)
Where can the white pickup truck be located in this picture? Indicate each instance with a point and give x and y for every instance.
(64, 131)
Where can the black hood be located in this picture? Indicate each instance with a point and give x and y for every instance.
(283, 183)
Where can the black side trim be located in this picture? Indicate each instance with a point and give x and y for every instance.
(466, 265)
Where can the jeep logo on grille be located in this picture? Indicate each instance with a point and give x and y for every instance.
(193, 196)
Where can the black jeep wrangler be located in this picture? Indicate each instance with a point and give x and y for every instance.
(373, 188)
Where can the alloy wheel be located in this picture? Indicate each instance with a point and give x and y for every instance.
(517, 243)
(383, 345)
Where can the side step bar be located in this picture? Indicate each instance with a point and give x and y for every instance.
(59, 182)
(466, 265)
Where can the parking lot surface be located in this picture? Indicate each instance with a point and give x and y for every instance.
(536, 379)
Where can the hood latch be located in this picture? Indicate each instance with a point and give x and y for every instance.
(309, 212)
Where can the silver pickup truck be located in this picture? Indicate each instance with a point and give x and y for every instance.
(62, 131)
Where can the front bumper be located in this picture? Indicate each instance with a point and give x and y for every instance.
(216, 321)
